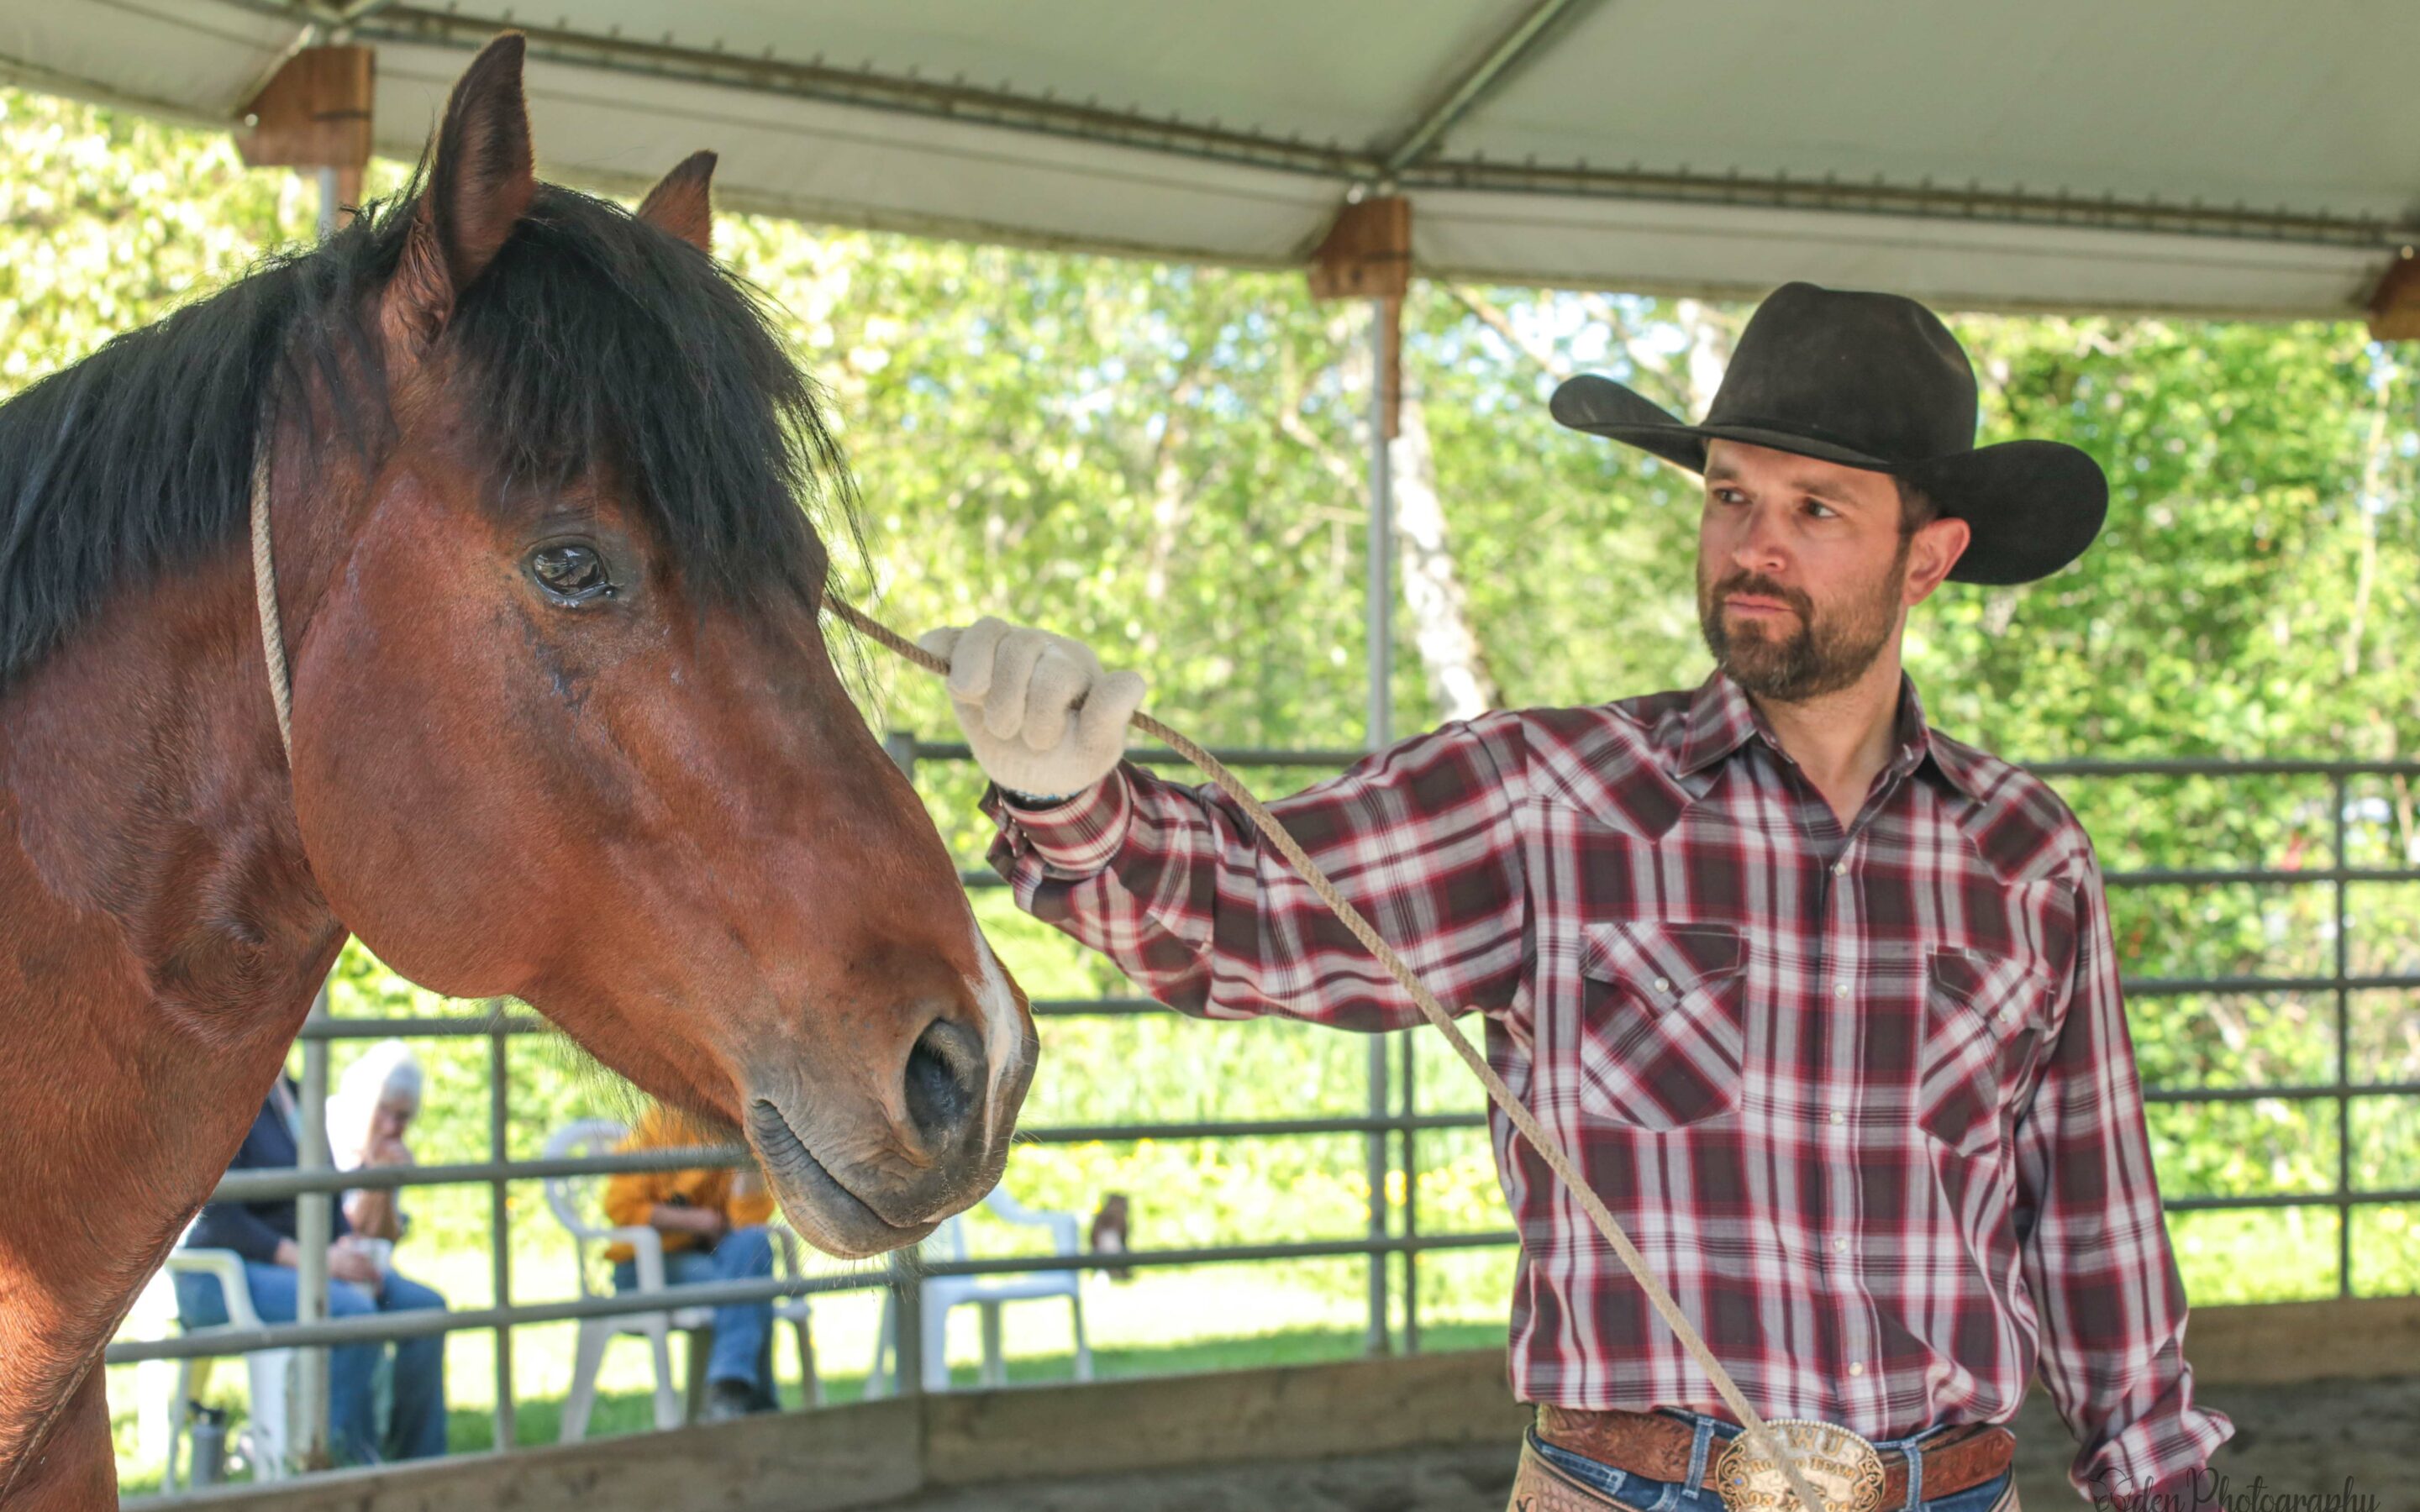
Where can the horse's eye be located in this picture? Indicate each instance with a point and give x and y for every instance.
(570, 571)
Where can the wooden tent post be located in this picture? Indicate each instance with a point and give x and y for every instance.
(313, 117)
(1367, 256)
(2395, 305)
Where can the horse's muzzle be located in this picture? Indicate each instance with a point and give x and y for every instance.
(819, 1206)
(857, 1189)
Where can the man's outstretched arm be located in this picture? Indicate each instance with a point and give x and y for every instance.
(1174, 884)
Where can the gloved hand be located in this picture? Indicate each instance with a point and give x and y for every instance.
(1043, 718)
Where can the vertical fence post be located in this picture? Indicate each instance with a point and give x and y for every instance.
(500, 1222)
(314, 1231)
(1411, 1193)
(2344, 1044)
(1376, 1148)
(907, 1324)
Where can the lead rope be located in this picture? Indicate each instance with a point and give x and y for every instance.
(1513, 1107)
(264, 592)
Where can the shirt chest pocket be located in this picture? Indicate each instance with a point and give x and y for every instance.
(1983, 1033)
(1661, 1036)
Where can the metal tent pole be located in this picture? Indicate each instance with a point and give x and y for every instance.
(500, 1232)
(1381, 601)
(907, 1265)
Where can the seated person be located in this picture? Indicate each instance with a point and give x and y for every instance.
(713, 1228)
(376, 1100)
(263, 1233)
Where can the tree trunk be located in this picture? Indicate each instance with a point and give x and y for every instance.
(1459, 677)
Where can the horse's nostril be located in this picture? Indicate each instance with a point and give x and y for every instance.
(945, 1081)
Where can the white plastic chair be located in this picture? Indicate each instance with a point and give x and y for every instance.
(563, 1196)
(169, 1385)
(939, 1295)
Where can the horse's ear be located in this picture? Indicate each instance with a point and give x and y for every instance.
(479, 186)
(683, 203)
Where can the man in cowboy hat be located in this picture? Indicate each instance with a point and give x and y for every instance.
(1824, 1003)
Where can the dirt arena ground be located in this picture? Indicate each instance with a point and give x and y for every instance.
(2302, 1441)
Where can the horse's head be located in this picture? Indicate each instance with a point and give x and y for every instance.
(566, 726)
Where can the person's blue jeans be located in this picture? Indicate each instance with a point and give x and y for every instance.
(743, 1330)
(1713, 1437)
(418, 1430)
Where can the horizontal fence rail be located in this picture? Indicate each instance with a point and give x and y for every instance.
(721, 1293)
(1393, 1123)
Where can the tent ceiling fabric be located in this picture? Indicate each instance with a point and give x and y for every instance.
(2223, 155)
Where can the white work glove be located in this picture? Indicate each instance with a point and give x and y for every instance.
(1044, 719)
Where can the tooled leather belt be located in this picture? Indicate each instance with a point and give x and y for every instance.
(1657, 1447)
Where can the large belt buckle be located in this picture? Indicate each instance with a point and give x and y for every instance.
(1843, 1469)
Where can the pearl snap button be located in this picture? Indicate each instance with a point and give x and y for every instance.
(1840, 1246)
(1841, 990)
(1839, 1118)
(1839, 868)
(1663, 984)
(1856, 1368)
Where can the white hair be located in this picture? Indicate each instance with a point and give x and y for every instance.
(387, 1070)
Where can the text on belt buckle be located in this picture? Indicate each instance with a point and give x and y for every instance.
(1844, 1470)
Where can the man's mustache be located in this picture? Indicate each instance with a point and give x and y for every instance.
(1759, 586)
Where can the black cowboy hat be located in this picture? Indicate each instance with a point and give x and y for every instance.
(1873, 381)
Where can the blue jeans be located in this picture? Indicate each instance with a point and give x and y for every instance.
(417, 1430)
(741, 1331)
(1714, 1436)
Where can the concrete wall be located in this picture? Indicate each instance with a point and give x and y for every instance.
(862, 1454)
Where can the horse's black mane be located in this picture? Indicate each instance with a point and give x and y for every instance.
(593, 340)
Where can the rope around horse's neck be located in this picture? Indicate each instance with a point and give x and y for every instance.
(264, 593)
(1434, 1011)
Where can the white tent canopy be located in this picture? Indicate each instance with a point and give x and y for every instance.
(2236, 157)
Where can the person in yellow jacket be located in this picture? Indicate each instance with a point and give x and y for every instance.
(713, 1226)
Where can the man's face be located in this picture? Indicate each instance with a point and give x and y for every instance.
(1803, 573)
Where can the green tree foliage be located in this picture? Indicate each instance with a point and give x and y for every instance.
(1163, 460)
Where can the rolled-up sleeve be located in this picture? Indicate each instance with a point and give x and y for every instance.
(1174, 884)
(2097, 1259)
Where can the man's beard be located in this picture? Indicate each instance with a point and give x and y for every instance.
(1822, 654)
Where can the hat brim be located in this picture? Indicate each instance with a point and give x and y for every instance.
(2030, 506)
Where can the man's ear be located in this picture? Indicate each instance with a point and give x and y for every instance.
(480, 183)
(683, 202)
(1931, 552)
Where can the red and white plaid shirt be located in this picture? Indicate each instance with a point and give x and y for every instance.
(1866, 1100)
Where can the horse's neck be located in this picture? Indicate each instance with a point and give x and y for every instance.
(160, 940)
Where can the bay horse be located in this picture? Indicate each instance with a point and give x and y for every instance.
(564, 730)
